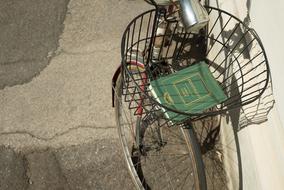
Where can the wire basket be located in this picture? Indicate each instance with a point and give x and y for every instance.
(233, 52)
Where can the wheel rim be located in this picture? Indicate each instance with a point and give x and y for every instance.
(166, 165)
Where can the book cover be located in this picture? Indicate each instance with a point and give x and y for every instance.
(191, 90)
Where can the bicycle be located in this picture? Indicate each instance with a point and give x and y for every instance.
(162, 148)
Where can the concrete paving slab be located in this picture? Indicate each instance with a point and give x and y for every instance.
(96, 165)
(44, 171)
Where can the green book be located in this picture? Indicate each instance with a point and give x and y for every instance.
(190, 90)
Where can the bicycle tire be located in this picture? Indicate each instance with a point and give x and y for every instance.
(143, 168)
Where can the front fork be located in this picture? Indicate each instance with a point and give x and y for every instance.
(140, 130)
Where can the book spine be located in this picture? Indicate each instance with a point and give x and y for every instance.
(158, 100)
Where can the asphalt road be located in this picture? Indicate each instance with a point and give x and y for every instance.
(57, 128)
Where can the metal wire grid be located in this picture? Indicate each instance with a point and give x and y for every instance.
(233, 51)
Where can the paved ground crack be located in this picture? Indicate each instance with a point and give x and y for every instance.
(24, 132)
(26, 172)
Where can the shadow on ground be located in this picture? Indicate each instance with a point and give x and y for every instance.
(97, 165)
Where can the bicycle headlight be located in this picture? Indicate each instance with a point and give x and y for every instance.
(193, 15)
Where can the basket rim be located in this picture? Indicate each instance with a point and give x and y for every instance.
(211, 113)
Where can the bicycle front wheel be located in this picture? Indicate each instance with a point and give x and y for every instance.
(171, 158)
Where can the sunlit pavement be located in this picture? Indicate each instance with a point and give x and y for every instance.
(57, 125)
